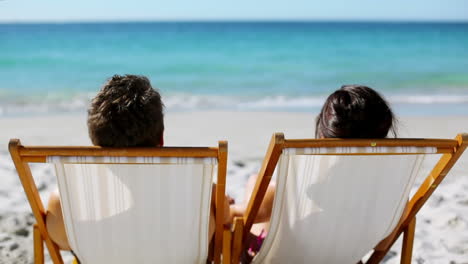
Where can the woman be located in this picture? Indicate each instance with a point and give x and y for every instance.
(354, 111)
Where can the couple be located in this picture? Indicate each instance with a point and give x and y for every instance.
(128, 112)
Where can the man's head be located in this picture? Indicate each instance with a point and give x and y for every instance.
(127, 112)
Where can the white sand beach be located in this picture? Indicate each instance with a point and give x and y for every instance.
(442, 225)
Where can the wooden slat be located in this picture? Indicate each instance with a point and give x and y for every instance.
(35, 151)
(335, 142)
(38, 246)
(263, 180)
(237, 247)
(220, 197)
(42, 159)
(227, 237)
(408, 239)
(34, 159)
(439, 151)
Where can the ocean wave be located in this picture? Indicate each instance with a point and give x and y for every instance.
(429, 99)
(282, 102)
(188, 102)
(198, 102)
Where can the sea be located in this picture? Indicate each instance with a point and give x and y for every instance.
(420, 68)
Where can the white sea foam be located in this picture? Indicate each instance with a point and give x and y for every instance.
(429, 99)
(190, 102)
(284, 102)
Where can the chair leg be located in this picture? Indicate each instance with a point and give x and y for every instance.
(376, 257)
(210, 258)
(227, 237)
(38, 246)
(408, 239)
(237, 240)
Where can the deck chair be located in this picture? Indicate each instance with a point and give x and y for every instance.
(337, 199)
(130, 205)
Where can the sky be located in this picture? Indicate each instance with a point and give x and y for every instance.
(173, 10)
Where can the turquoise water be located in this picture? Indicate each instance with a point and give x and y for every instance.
(238, 66)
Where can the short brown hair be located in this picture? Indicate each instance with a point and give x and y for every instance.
(127, 112)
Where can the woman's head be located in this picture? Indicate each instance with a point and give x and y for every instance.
(355, 111)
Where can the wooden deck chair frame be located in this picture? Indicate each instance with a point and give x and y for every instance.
(23, 155)
(451, 151)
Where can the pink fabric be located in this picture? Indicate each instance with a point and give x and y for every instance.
(257, 243)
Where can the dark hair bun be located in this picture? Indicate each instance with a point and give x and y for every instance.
(354, 111)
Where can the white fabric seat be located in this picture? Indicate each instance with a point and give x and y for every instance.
(136, 210)
(331, 208)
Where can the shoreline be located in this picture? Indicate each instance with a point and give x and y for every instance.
(433, 103)
(248, 132)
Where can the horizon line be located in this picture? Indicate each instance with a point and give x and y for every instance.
(90, 21)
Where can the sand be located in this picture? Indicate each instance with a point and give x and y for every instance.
(442, 225)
